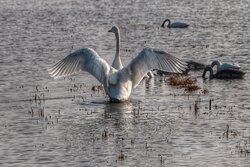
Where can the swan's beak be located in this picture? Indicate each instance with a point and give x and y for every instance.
(110, 30)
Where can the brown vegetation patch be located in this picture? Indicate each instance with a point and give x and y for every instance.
(183, 82)
(97, 88)
(205, 91)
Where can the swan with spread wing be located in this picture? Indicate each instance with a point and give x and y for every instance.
(118, 84)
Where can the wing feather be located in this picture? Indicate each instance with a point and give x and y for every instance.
(150, 59)
(85, 59)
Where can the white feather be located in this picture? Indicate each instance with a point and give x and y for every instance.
(118, 84)
(85, 59)
(149, 59)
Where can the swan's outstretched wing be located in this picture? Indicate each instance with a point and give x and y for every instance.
(85, 59)
(150, 59)
(225, 66)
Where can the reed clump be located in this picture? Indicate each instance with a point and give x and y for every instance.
(97, 88)
(190, 84)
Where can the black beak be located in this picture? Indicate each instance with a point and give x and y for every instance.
(110, 30)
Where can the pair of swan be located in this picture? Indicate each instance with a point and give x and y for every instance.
(224, 71)
(194, 66)
(118, 83)
(174, 24)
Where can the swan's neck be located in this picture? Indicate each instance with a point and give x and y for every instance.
(217, 63)
(167, 20)
(117, 64)
(211, 73)
(168, 23)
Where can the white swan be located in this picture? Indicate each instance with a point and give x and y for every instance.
(224, 66)
(118, 84)
(117, 64)
(174, 24)
(228, 73)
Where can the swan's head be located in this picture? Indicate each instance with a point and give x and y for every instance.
(114, 29)
(208, 68)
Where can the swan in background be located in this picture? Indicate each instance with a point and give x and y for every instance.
(174, 24)
(118, 84)
(194, 66)
(117, 64)
(191, 66)
(223, 74)
(224, 66)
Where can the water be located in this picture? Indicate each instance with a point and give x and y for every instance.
(70, 125)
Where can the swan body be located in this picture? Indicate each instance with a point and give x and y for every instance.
(174, 24)
(117, 64)
(224, 66)
(192, 65)
(118, 84)
(223, 74)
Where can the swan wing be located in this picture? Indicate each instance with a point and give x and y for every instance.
(236, 65)
(150, 59)
(85, 59)
(225, 66)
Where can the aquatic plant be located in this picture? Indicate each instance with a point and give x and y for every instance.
(183, 82)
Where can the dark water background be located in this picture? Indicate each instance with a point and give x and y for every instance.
(158, 126)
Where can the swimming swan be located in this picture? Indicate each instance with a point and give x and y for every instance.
(174, 24)
(223, 74)
(224, 66)
(194, 66)
(118, 84)
(117, 64)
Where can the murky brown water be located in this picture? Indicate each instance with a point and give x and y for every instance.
(159, 126)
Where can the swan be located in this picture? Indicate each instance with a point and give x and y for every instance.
(223, 74)
(117, 64)
(174, 24)
(191, 66)
(224, 66)
(118, 84)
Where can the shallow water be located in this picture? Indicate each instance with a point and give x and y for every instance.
(46, 122)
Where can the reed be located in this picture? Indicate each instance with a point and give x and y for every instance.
(190, 84)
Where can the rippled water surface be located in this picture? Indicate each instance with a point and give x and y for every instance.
(46, 122)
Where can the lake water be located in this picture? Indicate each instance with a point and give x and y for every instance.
(47, 122)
